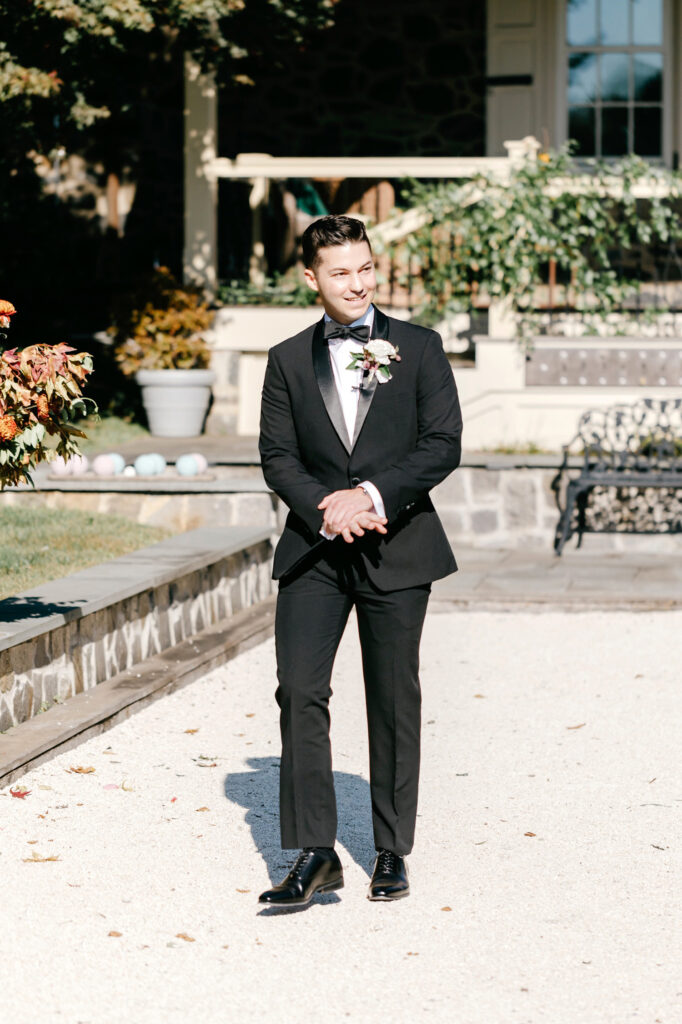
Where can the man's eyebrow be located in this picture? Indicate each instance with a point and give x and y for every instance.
(332, 270)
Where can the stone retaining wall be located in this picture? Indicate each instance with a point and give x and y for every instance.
(67, 636)
(490, 501)
(505, 507)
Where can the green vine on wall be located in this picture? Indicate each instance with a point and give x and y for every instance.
(485, 238)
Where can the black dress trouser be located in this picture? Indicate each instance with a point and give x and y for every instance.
(312, 610)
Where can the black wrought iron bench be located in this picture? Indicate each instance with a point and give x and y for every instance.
(630, 448)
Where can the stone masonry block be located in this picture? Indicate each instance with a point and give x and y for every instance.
(484, 520)
(6, 720)
(252, 510)
(452, 491)
(520, 500)
(485, 485)
(22, 700)
(455, 522)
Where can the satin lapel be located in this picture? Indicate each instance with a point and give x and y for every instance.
(367, 393)
(325, 381)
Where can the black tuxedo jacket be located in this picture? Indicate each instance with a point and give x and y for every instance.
(407, 439)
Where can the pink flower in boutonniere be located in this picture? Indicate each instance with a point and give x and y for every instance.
(375, 359)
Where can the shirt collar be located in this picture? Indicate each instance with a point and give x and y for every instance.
(367, 318)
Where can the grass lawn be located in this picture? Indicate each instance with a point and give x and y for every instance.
(40, 544)
(108, 433)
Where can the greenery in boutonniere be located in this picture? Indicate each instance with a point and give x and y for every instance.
(485, 238)
(375, 360)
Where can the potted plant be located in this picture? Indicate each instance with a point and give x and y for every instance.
(40, 397)
(159, 335)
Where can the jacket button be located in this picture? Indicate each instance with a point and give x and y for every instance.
(354, 481)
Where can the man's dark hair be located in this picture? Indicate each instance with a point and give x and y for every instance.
(331, 230)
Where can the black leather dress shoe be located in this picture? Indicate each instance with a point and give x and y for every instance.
(389, 880)
(314, 871)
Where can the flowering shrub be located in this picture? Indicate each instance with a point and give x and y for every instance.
(161, 327)
(40, 395)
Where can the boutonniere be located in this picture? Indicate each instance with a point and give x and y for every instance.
(375, 359)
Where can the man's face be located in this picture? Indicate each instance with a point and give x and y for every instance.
(345, 278)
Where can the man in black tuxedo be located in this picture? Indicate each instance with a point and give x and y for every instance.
(360, 419)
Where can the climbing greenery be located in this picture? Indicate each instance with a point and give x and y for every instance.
(487, 238)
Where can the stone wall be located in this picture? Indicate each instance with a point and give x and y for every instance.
(67, 636)
(490, 501)
(178, 512)
(505, 507)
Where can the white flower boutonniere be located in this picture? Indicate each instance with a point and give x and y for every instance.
(375, 359)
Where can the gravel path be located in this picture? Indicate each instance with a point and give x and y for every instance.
(545, 877)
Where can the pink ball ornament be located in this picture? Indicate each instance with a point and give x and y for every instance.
(79, 464)
(60, 467)
(201, 461)
(103, 465)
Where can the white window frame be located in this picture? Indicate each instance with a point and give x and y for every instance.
(669, 76)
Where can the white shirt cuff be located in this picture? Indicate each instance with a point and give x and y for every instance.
(378, 506)
(375, 496)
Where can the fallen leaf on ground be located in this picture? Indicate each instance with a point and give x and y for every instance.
(173, 799)
(117, 934)
(482, 697)
(191, 730)
(35, 856)
(128, 789)
(31, 842)
(652, 780)
(207, 764)
(530, 833)
(42, 815)
(251, 714)
(413, 954)
(185, 936)
(81, 769)
(20, 792)
(243, 890)
(44, 787)
(203, 808)
(446, 908)
(576, 726)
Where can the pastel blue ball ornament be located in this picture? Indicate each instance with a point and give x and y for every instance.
(150, 464)
(118, 462)
(187, 465)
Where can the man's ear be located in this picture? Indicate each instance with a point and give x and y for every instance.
(310, 279)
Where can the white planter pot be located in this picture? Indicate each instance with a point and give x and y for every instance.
(175, 401)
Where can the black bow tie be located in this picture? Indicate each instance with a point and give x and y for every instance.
(334, 330)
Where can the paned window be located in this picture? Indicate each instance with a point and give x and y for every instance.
(615, 76)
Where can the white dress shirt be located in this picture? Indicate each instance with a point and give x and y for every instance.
(347, 385)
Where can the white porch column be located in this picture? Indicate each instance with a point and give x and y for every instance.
(201, 189)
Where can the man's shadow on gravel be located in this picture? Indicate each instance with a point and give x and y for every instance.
(258, 792)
